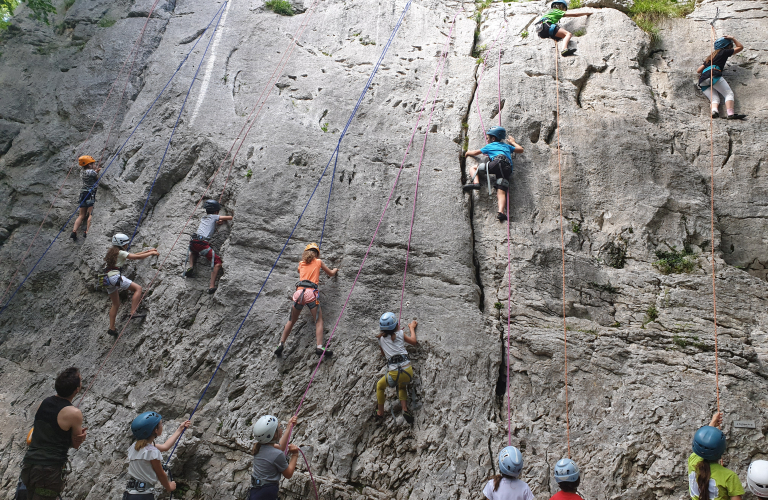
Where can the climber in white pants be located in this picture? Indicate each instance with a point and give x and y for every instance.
(711, 76)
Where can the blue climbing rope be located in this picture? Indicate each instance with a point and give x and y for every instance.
(290, 236)
(66, 224)
(173, 132)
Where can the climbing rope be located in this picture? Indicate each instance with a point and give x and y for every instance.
(562, 245)
(290, 236)
(81, 149)
(175, 126)
(66, 224)
(712, 218)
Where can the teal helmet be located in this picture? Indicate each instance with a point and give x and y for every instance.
(498, 132)
(143, 425)
(723, 43)
(709, 443)
(563, 4)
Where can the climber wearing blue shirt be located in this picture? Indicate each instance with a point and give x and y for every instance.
(499, 149)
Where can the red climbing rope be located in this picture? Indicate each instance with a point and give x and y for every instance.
(81, 149)
(441, 64)
(712, 222)
(562, 247)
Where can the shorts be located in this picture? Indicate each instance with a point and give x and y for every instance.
(502, 169)
(266, 492)
(43, 482)
(199, 247)
(311, 304)
(549, 31)
(117, 283)
(87, 199)
(138, 496)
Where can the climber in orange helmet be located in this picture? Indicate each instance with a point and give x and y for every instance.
(90, 177)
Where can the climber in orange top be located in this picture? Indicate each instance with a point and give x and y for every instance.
(308, 294)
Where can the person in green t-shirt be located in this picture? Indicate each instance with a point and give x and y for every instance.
(707, 479)
(548, 27)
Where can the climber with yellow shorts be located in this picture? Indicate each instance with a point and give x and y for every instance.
(707, 479)
(399, 374)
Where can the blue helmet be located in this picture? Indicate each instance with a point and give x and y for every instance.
(564, 3)
(566, 471)
(709, 443)
(388, 322)
(722, 43)
(211, 206)
(510, 461)
(497, 132)
(143, 425)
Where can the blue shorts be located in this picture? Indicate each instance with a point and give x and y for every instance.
(87, 199)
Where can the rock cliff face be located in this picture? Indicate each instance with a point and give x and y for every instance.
(635, 180)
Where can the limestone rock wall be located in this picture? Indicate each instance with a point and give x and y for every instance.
(635, 176)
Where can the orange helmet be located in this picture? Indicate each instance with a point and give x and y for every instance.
(85, 160)
(313, 246)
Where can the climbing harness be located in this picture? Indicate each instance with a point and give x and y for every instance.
(394, 360)
(103, 173)
(205, 249)
(133, 52)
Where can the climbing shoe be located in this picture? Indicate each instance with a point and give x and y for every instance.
(85, 235)
(190, 272)
(408, 416)
(470, 187)
(211, 291)
(319, 351)
(568, 52)
(112, 332)
(501, 216)
(715, 114)
(73, 236)
(279, 350)
(736, 116)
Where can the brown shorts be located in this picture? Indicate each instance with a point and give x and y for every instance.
(43, 482)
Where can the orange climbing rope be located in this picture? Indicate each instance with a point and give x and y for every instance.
(712, 221)
(562, 246)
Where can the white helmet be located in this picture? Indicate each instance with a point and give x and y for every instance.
(757, 478)
(510, 461)
(120, 240)
(265, 428)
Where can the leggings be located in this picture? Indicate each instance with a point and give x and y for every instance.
(721, 87)
(402, 394)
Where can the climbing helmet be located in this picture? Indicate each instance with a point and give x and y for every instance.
(143, 425)
(265, 428)
(709, 443)
(510, 461)
(388, 322)
(120, 240)
(566, 471)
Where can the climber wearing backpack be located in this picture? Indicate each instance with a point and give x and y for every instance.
(547, 26)
(145, 467)
(711, 76)
(499, 150)
(200, 244)
(58, 427)
(90, 177)
(114, 280)
(568, 478)
(506, 485)
(308, 295)
(757, 479)
(707, 479)
(269, 461)
(399, 374)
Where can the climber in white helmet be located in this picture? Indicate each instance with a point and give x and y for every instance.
(507, 485)
(757, 478)
(269, 462)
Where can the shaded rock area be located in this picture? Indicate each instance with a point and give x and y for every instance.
(635, 181)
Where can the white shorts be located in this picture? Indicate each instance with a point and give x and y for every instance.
(117, 283)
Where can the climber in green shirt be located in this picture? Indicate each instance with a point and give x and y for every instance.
(547, 26)
(707, 479)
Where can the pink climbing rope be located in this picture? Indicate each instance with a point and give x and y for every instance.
(381, 219)
(496, 40)
(133, 52)
(499, 80)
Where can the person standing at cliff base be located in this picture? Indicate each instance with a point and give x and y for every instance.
(506, 485)
(547, 26)
(499, 150)
(707, 479)
(145, 458)
(399, 374)
(307, 294)
(58, 427)
(87, 194)
(711, 77)
(115, 282)
(200, 244)
(568, 478)
(269, 462)
(757, 479)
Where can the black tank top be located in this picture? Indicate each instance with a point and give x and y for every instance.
(50, 443)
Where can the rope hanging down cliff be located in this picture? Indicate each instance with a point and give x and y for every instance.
(81, 149)
(116, 155)
(301, 215)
